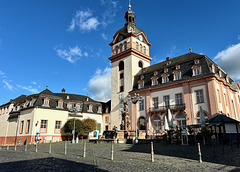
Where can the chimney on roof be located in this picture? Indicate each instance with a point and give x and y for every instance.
(63, 90)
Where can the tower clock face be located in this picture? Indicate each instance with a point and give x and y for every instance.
(120, 38)
(140, 38)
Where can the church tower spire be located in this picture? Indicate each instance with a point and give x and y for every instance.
(129, 15)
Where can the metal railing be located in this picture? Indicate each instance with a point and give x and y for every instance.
(171, 107)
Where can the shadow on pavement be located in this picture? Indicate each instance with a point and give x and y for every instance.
(47, 164)
(225, 156)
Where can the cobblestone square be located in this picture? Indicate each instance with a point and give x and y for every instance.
(127, 157)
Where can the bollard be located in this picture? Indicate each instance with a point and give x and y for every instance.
(84, 150)
(152, 152)
(199, 153)
(8, 146)
(112, 152)
(15, 147)
(50, 147)
(65, 147)
(36, 147)
(26, 145)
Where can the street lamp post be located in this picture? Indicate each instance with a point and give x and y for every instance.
(134, 99)
(75, 113)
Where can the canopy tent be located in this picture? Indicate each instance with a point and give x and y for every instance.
(224, 121)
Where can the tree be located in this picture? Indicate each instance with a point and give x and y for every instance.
(89, 125)
(69, 126)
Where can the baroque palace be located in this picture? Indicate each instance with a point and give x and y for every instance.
(184, 84)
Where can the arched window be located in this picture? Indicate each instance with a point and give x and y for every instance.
(116, 49)
(142, 125)
(121, 66)
(137, 45)
(125, 45)
(198, 117)
(120, 47)
(140, 64)
(144, 49)
(157, 125)
(141, 47)
(181, 120)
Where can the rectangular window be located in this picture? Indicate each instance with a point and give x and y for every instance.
(57, 126)
(166, 101)
(140, 85)
(21, 127)
(60, 104)
(45, 102)
(225, 97)
(219, 97)
(155, 102)
(154, 82)
(28, 126)
(43, 126)
(106, 119)
(196, 72)
(233, 109)
(179, 99)
(141, 106)
(121, 88)
(199, 95)
(121, 75)
(177, 76)
(165, 79)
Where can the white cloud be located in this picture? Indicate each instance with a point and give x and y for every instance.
(172, 51)
(110, 11)
(229, 60)
(104, 36)
(2, 74)
(72, 55)
(29, 88)
(100, 85)
(84, 21)
(7, 85)
(33, 82)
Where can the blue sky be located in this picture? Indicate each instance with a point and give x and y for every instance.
(64, 43)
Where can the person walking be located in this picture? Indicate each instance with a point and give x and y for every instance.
(116, 132)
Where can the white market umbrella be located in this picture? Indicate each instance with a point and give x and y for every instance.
(149, 124)
(170, 118)
(202, 116)
(166, 127)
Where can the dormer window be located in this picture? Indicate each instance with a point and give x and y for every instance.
(196, 61)
(165, 70)
(46, 102)
(177, 67)
(67, 96)
(154, 81)
(78, 107)
(196, 69)
(69, 106)
(140, 84)
(90, 108)
(107, 109)
(60, 104)
(164, 79)
(196, 72)
(99, 109)
(213, 68)
(176, 76)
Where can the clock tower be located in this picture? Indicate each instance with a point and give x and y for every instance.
(129, 54)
